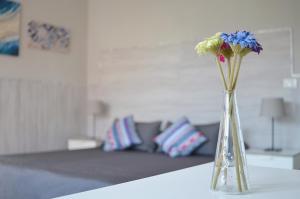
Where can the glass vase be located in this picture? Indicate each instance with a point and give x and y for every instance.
(230, 167)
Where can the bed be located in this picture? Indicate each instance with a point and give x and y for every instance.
(52, 174)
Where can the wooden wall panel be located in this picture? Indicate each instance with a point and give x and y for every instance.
(38, 115)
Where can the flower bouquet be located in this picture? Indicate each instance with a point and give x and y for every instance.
(230, 168)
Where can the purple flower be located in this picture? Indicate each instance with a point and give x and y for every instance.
(243, 38)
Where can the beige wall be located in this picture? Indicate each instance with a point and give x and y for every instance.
(40, 65)
(142, 31)
(42, 94)
(143, 22)
(141, 61)
(121, 24)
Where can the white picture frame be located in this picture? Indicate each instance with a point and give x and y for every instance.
(293, 72)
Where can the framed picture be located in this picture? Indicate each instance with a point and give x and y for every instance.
(10, 27)
(287, 33)
(45, 36)
(295, 72)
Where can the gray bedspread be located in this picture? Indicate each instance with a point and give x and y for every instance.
(52, 174)
(16, 183)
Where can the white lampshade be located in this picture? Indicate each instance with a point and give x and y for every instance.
(272, 107)
(94, 107)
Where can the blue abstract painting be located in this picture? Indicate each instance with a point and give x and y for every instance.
(48, 37)
(10, 27)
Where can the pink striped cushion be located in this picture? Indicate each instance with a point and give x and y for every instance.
(121, 135)
(180, 139)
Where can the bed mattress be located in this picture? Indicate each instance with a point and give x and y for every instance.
(84, 169)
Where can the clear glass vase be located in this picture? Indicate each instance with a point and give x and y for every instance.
(230, 167)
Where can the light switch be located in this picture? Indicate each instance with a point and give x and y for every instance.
(290, 83)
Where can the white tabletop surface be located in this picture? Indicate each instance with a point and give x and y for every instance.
(193, 183)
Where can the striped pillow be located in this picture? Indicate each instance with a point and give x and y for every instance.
(121, 135)
(180, 139)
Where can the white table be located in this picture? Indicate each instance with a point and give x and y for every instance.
(285, 159)
(194, 182)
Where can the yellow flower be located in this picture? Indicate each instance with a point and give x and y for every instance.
(211, 44)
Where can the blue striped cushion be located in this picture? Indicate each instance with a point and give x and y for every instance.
(180, 139)
(121, 135)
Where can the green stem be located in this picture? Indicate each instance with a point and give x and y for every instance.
(242, 172)
(235, 145)
(218, 166)
(238, 72)
(238, 148)
(216, 176)
(221, 73)
(220, 159)
(228, 71)
(232, 71)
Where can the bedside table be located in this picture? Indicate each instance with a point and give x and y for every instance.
(83, 143)
(286, 159)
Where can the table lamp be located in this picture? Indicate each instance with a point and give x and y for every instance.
(95, 108)
(272, 108)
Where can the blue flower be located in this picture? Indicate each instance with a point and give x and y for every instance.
(243, 38)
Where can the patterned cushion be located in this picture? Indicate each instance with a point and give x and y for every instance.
(180, 139)
(121, 135)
